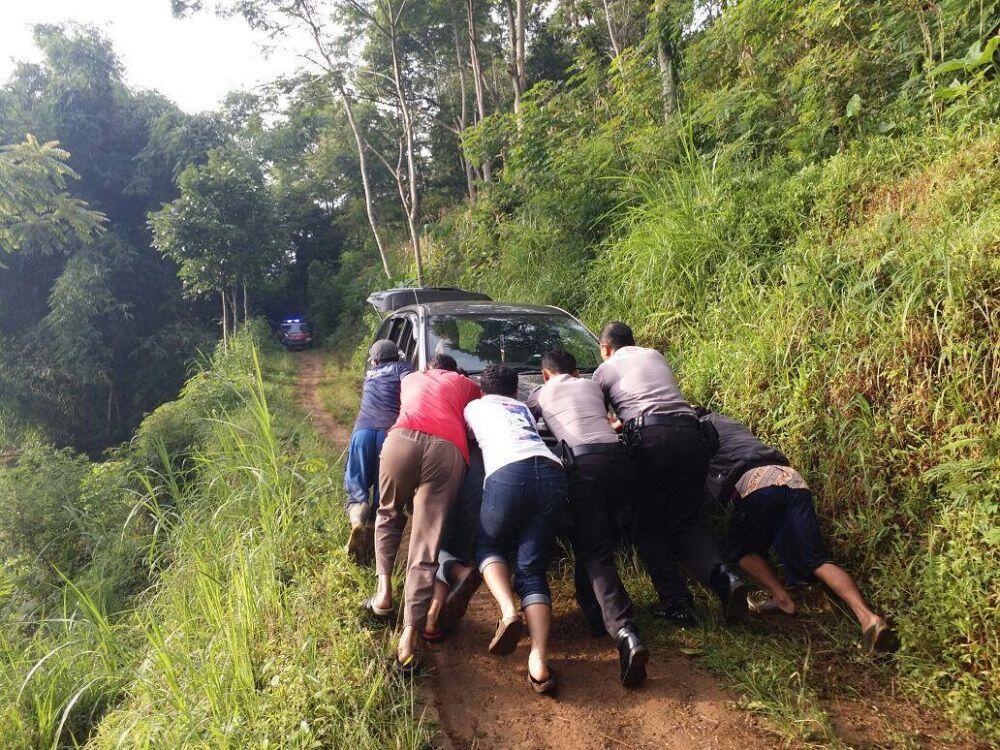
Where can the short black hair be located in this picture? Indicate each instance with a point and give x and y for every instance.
(559, 361)
(499, 380)
(616, 335)
(443, 362)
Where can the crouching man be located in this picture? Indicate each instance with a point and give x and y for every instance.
(524, 496)
(772, 506)
(379, 410)
(574, 412)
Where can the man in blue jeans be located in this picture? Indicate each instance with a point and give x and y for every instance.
(378, 412)
(524, 495)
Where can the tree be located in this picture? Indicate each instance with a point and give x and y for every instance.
(274, 16)
(118, 153)
(222, 231)
(386, 18)
(37, 214)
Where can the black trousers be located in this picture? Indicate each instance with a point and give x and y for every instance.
(595, 494)
(671, 463)
(459, 537)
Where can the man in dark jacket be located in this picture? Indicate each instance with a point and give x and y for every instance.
(772, 506)
(671, 460)
(379, 410)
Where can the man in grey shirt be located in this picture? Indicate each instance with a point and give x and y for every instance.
(574, 412)
(671, 463)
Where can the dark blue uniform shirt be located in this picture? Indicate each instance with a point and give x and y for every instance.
(380, 396)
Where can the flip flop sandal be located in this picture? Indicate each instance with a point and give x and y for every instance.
(509, 633)
(880, 638)
(458, 600)
(369, 608)
(411, 666)
(546, 686)
(766, 607)
(434, 636)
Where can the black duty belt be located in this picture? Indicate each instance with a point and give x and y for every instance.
(570, 455)
(598, 449)
(660, 420)
(632, 430)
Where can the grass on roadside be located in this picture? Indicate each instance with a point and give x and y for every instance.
(249, 635)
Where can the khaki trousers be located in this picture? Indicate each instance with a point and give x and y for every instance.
(420, 473)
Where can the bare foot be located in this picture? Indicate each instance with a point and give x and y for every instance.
(407, 643)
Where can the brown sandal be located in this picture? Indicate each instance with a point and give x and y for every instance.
(880, 638)
(509, 633)
(546, 686)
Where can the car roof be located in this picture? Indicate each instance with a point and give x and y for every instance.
(480, 308)
(391, 300)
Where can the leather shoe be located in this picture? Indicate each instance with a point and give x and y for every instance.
(676, 613)
(632, 657)
(732, 593)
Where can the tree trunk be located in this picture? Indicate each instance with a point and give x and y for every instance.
(518, 78)
(463, 118)
(412, 205)
(246, 304)
(515, 80)
(236, 309)
(111, 401)
(225, 326)
(521, 21)
(611, 29)
(480, 82)
(665, 59)
(359, 141)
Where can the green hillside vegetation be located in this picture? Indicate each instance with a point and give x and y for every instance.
(826, 270)
(204, 599)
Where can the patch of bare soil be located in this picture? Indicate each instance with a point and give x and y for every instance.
(486, 702)
(312, 372)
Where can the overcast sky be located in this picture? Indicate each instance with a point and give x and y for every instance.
(194, 61)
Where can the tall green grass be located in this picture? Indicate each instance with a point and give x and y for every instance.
(848, 311)
(248, 634)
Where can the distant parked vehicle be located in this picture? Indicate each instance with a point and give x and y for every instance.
(295, 334)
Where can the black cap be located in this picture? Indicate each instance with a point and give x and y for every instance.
(383, 350)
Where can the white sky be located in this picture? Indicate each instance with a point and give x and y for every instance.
(194, 61)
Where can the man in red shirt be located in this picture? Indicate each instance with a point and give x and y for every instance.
(422, 466)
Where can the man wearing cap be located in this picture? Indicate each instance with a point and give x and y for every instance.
(379, 410)
(671, 463)
(574, 412)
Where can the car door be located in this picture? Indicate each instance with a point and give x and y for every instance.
(401, 329)
(406, 340)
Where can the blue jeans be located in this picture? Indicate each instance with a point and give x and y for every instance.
(361, 471)
(522, 505)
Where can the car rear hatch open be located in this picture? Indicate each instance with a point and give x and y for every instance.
(393, 299)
